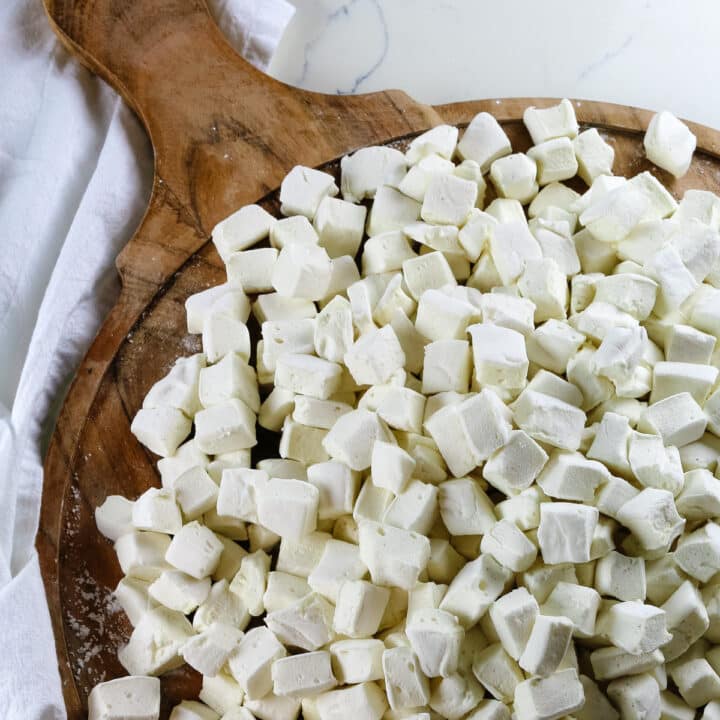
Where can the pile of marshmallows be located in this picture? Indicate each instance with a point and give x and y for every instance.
(497, 436)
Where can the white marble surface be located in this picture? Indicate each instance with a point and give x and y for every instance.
(658, 54)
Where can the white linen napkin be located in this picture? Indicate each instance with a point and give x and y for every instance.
(75, 177)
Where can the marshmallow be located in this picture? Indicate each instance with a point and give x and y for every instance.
(155, 643)
(395, 557)
(303, 188)
(375, 356)
(545, 285)
(675, 282)
(515, 465)
(578, 603)
(440, 317)
(318, 413)
(474, 589)
(699, 498)
(435, 636)
(340, 226)
(302, 271)
(295, 229)
(418, 177)
(669, 143)
(621, 577)
(178, 591)
(128, 697)
(551, 122)
(557, 246)
(611, 441)
(302, 675)
(594, 155)
(391, 466)
(142, 554)
(440, 140)
(308, 375)
(512, 245)
(523, 509)
(192, 710)
(367, 169)
(513, 616)
(696, 680)
(653, 464)
(507, 544)
(232, 377)
(251, 661)
(352, 437)
(359, 608)
(549, 420)
(402, 408)
(514, 177)
(686, 619)
(251, 270)
(497, 672)
(570, 476)
(114, 517)
(222, 606)
(208, 651)
(635, 627)
(499, 355)
(698, 553)
(243, 228)
(339, 562)
(685, 344)
(195, 550)
(514, 313)
(469, 432)
(565, 532)
(549, 698)
(161, 429)
(287, 507)
(553, 344)
(357, 661)
(541, 579)
(364, 702)
(548, 642)
(157, 510)
(555, 160)
(306, 624)
(671, 378)
(484, 141)
(636, 697)
(447, 366)
(385, 253)
(427, 272)
(678, 419)
(196, 492)
(465, 508)
(653, 518)
(391, 210)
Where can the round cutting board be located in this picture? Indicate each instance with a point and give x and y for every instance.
(224, 135)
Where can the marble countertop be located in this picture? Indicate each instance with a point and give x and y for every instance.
(657, 54)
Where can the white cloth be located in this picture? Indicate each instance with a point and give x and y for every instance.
(75, 177)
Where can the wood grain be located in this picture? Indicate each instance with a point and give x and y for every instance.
(223, 135)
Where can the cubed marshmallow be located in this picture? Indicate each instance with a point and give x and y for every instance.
(565, 532)
(225, 427)
(515, 465)
(391, 210)
(133, 697)
(499, 355)
(595, 155)
(447, 366)
(555, 160)
(302, 190)
(514, 177)
(375, 356)
(363, 172)
(669, 143)
(653, 518)
(551, 122)
(484, 141)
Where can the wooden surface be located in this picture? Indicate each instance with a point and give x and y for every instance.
(223, 135)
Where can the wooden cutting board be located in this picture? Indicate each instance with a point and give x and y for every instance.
(224, 135)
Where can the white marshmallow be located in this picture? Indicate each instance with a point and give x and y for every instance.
(367, 169)
(578, 603)
(469, 432)
(405, 684)
(340, 226)
(440, 140)
(447, 366)
(688, 345)
(142, 554)
(155, 644)
(225, 427)
(655, 465)
(653, 518)
(302, 271)
(359, 608)
(698, 553)
(515, 465)
(565, 532)
(415, 508)
(114, 517)
(636, 697)
(514, 177)
(394, 557)
(308, 375)
(128, 697)
(391, 466)
(302, 675)
(427, 272)
(232, 377)
(555, 160)
(675, 282)
(251, 661)
(669, 143)
(551, 122)
(549, 698)
(678, 419)
(375, 356)
(570, 476)
(195, 550)
(594, 155)
(391, 210)
(699, 498)
(385, 253)
(671, 378)
(251, 270)
(243, 228)
(465, 508)
(484, 141)
(306, 624)
(357, 661)
(621, 577)
(514, 313)
(512, 245)
(499, 355)
(178, 591)
(611, 441)
(221, 693)
(161, 429)
(295, 229)
(548, 642)
(287, 507)
(474, 589)
(497, 672)
(549, 420)
(339, 562)
(436, 637)
(553, 344)
(208, 651)
(513, 616)
(402, 408)
(364, 702)
(303, 188)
